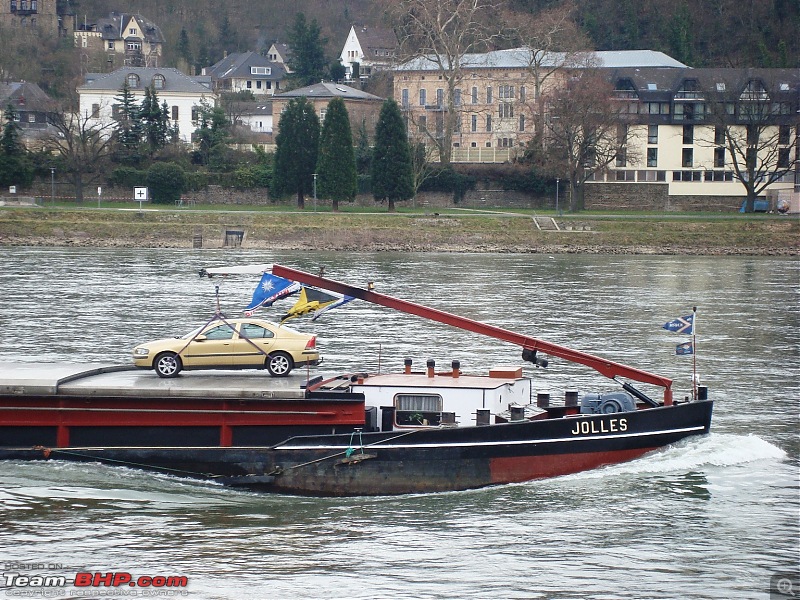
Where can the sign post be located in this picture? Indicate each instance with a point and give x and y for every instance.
(99, 195)
(140, 194)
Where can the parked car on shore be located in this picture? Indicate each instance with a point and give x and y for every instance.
(230, 344)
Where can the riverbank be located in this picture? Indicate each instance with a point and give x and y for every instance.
(411, 231)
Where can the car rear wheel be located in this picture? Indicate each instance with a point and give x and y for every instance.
(279, 364)
(167, 364)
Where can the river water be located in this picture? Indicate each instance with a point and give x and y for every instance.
(711, 517)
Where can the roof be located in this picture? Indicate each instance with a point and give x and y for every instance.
(174, 80)
(329, 90)
(515, 58)
(238, 64)
(374, 38)
(115, 26)
(254, 108)
(24, 96)
(661, 84)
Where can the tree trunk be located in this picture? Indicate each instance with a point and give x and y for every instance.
(335, 205)
(391, 205)
(78, 181)
(301, 201)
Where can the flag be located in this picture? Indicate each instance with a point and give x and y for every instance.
(310, 300)
(681, 325)
(341, 301)
(684, 349)
(269, 289)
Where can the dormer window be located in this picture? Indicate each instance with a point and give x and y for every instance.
(158, 81)
(133, 80)
(754, 91)
(625, 89)
(260, 71)
(689, 90)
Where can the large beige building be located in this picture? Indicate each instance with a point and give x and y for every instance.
(672, 132)
(121, 39)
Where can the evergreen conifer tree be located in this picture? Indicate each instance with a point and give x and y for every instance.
(307, 61)
(392, 176)
(128, 130)
(297, 145)
(336, 164)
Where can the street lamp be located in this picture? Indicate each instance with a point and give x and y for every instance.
(53, 186)
(557, 211)
(315, 192)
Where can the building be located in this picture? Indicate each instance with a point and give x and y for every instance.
(42, 15)
(665, 114)
(361, 107)
(280, 53)
(32, 109)
(121, 39)
(246, 71)
(182, 93)
(367, 51)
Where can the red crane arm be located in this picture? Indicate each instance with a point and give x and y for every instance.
(601, 365)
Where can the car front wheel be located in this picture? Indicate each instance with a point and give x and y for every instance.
(279, 364)
(167, 364)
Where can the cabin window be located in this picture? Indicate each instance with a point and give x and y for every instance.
(158, 81)
(418, 409)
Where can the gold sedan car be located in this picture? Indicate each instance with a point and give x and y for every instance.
(230, 344)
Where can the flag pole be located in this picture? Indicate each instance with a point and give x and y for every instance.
(694, 354)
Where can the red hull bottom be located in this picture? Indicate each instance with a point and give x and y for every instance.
(517, 469)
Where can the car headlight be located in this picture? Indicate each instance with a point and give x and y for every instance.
(141, 351)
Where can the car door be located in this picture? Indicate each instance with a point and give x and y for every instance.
(252, 344)
(212, 348)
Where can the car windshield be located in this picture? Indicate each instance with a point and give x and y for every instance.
(192, 333)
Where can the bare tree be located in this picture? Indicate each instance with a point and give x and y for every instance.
(584, 131)
(755, 129)
(551, 42)
(83, 144)
(439, 33)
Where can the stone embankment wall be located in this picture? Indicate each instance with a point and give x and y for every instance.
(645, 197)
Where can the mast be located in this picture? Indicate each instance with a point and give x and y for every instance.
(601, 365)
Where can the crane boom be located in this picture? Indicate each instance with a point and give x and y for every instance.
(603, 366)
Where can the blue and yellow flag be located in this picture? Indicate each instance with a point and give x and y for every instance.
(310, 300)
(269, 289)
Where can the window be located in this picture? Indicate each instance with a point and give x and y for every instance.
(404, 98)
(687, 157)
(621, 159)
(422, 97)
(505, 92)
(488, 122)
(95, 111)
(522, 122)
(719, 136)
(522, 93)
(133, 46)
(258, 84)
(474, 95)
(133, 80)
(249, 84)
(418, 409)
(783, 157)
(423, 124)
(253, 332)
(652, 157)
(260, 70)
(174, 113)
(506, 110)
(652, 134)
(158, 81)
(488, 95)
(784, 134)
(505, 142)
(221, 332)
(13, 5)
(719, 157)
(32, 119)
(474, 123)
(132, 30)
(439, 97)
(111, 45)
(457, 98)
(322, 113)
(688, 134)
(195, 113)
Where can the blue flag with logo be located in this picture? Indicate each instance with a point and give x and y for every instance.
(681, 325)
(271, 288)
(684, 349)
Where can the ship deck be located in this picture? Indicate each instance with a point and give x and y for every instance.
(66, 379)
